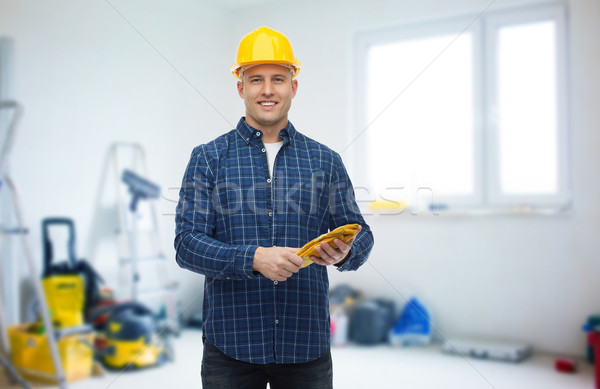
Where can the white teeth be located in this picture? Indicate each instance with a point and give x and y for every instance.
(269, 103)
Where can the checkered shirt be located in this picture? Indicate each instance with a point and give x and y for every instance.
(229, 205)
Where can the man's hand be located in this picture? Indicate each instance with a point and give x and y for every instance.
(277, 263)
(331, 256)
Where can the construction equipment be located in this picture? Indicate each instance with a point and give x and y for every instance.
(31, 356)
(72, 286)
(141, 253)
(20, 231)
(140, 189)
(134, 337)
(13, 375)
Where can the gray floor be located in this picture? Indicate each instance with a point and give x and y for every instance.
(369, 367)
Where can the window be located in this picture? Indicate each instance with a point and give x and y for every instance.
(464, 113)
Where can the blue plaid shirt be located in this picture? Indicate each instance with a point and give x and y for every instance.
(229, 205)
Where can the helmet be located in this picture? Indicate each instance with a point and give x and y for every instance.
(265, 45)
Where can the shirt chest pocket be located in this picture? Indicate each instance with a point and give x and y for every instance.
(242, 197)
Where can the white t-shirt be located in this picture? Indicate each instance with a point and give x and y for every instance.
(272, 150)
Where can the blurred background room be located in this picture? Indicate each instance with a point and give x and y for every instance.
(470, 130)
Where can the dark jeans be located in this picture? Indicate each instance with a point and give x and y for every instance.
(222, 372)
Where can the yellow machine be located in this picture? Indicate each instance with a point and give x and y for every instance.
(133, 338)
(65, 297)
(71, 287)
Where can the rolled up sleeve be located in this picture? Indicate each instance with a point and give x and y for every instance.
(343, 209)
(196, 248)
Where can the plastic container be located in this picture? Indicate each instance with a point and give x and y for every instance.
(565, 365)
(592, 322)
(339, 321)
(31, 355)
(594, 341)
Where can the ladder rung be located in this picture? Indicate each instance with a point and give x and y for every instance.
(14, 230)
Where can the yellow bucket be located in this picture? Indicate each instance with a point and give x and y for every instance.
(31, 354)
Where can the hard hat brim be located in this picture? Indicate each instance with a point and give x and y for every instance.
(237, 68)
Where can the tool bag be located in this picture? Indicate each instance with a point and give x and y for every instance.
(371, 321)
(71, 287)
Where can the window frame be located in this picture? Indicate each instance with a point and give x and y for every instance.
(515, 17)
(486, 178)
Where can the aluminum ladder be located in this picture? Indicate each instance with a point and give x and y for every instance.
(22, 232)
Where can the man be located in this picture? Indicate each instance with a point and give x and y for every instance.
(249, 200)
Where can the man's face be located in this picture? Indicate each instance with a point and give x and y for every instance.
(267, 91)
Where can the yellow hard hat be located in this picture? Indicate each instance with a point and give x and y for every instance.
(265, 45)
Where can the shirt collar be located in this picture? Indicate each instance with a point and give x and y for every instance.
(250, 134)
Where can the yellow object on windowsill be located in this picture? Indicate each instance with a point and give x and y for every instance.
(388, 205)
(344, 233)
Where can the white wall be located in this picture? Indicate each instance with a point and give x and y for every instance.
(533, 279)
(88, 75)
(87, 78)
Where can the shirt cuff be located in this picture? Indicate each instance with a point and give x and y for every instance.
(244, 261)
(345, 265)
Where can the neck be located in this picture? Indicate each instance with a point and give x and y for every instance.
(270, 133)
(271, 136)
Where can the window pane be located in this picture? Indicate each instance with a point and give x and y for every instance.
(421, 115)
(527, 109)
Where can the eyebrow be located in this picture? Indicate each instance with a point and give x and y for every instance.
(272, 75)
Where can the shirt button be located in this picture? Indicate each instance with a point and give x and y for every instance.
(268, 180)
(257, 133)
(270, 214)
(264, 150)
(275, 282)
(276, 321)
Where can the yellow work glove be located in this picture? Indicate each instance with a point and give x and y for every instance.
(344, 233)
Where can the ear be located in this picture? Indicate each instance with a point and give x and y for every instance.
(240, 88)
(294, 87)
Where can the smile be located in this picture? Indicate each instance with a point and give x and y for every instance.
(267, 103)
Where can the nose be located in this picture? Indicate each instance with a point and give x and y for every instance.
(267, 88)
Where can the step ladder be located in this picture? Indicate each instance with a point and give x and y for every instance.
(21, 232)
(142, 261)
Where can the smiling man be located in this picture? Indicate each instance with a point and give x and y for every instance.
(249, 200)
(267, 91)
